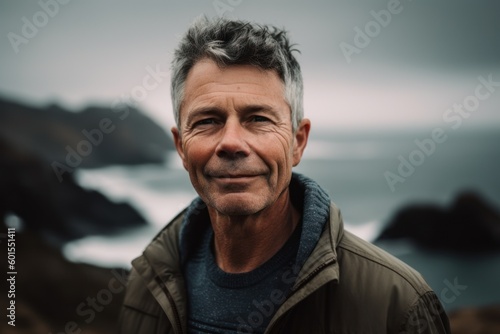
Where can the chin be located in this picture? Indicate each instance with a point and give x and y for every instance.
(237, 207)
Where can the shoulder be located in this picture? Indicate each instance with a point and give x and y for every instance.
(138, 297)
(356, 254)
(386, 288)
(161, 253)
(163, 248)
(364, 263)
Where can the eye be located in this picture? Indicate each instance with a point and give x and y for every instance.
(206, 121)
(258, 118)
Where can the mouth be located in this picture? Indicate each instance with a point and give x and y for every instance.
(235, 182)
(234, 177)
(240, 178)
(230, 173)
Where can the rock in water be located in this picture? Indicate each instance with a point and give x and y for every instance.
(61, 211)
(470, 224)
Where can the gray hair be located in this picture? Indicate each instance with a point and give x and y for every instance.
(234, 42)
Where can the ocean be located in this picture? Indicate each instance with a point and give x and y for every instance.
(360, 173)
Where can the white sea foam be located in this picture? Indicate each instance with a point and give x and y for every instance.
(367, 231)
(158, 205)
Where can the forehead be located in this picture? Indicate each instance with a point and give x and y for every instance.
(206, 81)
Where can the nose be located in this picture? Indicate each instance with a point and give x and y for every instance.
(233, 144)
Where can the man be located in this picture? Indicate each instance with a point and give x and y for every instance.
(262, 249)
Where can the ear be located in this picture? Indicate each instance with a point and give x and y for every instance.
(300, 140)
(178, 145)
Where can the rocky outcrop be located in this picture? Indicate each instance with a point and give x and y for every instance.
(53, 295)
(60, 211)
(469, 224)
(93, 137)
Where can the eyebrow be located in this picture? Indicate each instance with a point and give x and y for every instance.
(257, 107)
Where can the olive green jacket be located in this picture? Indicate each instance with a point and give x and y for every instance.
(346, 286)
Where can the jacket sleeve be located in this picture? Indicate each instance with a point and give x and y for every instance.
(426, 316)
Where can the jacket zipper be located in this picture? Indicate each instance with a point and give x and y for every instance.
(306, 280)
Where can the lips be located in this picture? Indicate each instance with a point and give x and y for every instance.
(233, 176)
(231, 173)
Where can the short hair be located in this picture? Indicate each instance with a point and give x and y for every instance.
(235, 42)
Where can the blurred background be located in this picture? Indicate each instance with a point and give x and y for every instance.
(404, 101)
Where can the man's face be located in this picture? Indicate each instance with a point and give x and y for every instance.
(235, 137)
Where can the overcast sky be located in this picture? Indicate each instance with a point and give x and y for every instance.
(427, 56)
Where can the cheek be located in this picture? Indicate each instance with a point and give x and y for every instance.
(285, 149)
(194, 156)
(278, 153)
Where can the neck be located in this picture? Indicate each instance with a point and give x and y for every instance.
(243, 243)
